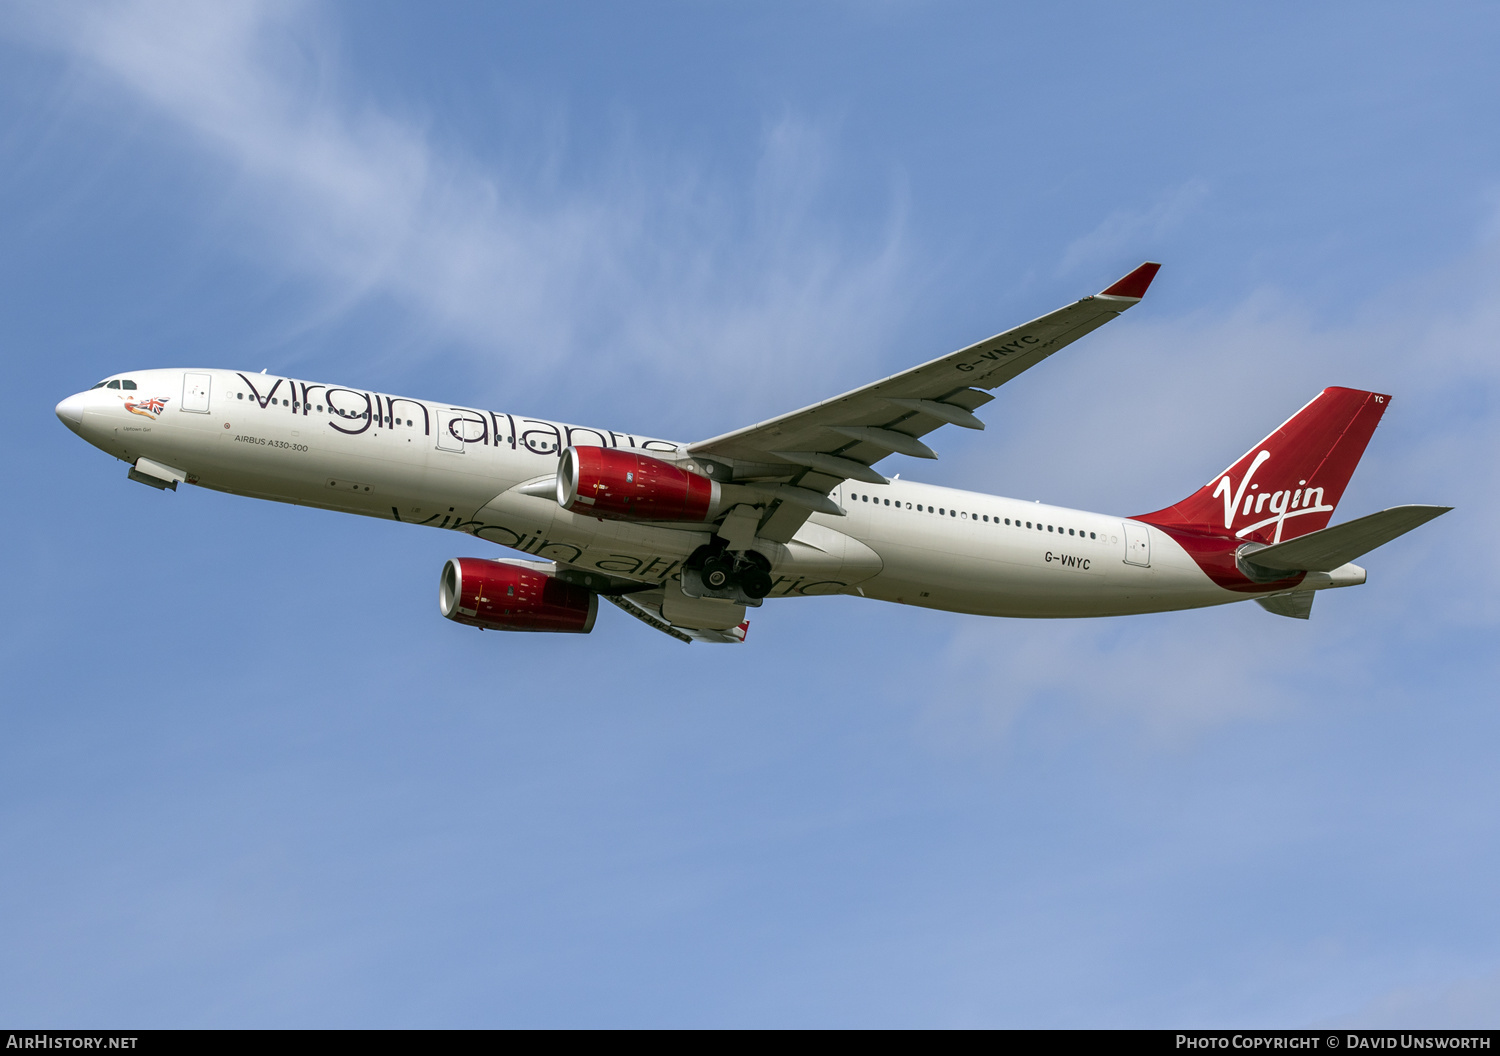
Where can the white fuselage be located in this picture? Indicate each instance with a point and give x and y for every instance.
(353, 450)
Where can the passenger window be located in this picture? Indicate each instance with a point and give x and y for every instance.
(941, 510)
(864, 498)
(320, 406)
(1070, 531)
(1007, 520)
(1028, 524)
(887, 502)
(1091, 535)
(127, 385)
(239, 395)
(114, 385)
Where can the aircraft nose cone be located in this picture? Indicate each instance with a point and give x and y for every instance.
(70, 411)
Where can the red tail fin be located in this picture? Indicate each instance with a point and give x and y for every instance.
(1288, 484)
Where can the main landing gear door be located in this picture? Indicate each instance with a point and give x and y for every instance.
(1137, 545)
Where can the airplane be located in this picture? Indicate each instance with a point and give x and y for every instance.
(685, 537)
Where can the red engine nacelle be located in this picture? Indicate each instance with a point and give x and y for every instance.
(608, 482)
(500, 596)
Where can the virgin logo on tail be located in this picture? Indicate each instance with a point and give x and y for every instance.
(1248, 501)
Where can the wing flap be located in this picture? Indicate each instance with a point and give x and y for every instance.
(642, 608)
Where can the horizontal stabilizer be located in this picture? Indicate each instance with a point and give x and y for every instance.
(1326, 550)
(1298, 605)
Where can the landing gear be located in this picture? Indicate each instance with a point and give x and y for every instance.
(722, 571)
(755, 575)
(755, 582)
(718, 572)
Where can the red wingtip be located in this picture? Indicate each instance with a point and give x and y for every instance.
(1134, 284)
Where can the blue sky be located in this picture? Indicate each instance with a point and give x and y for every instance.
(248, 775)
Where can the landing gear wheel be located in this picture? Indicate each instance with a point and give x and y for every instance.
(755, 582)
(717, 572)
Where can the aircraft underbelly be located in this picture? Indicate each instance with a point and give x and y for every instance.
(1035, 580)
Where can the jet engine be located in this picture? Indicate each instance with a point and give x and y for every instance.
(625, 486)
(514, 596)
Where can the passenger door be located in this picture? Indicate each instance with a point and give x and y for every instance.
(195, 392)
(450, 436)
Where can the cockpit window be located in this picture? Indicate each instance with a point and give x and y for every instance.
(113, 385)
(98, 386)
(127, 385)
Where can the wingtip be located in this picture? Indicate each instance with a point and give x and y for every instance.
(1136, 283)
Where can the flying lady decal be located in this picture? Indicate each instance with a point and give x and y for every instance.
(147, 408)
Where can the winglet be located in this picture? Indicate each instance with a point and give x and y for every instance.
(1134, 285)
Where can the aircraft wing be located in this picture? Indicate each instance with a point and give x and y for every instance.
(841, 438)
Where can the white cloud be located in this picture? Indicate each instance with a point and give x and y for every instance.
(1127, 231)
(655, 269)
